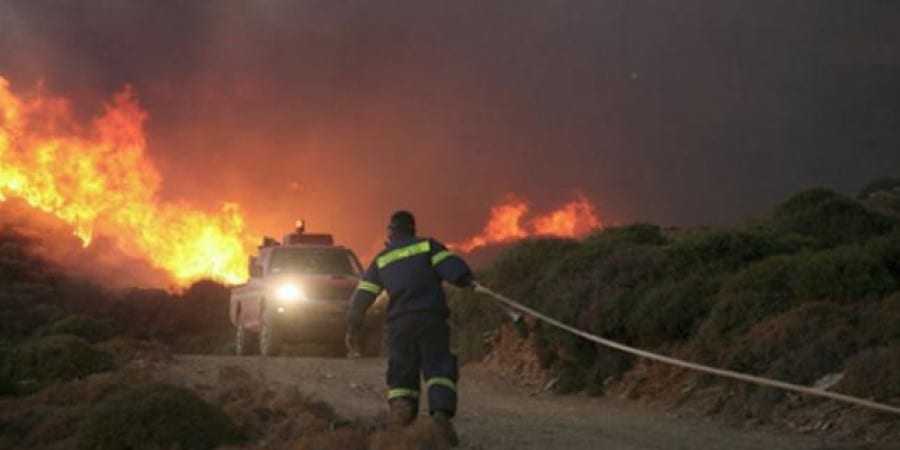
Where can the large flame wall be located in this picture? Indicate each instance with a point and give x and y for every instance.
(97, 178)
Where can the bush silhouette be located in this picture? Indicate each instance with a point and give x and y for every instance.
(7, 383)
(842, 274)
(39, 362)
(671, 312)
(88, 328)
(156, 416)
(830, 218)
(718, 251)
(888, 184)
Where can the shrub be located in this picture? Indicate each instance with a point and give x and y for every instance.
(597, 271)
(87, 328)
(156, 416)
(873, 374)
(830, 218)
(17, 261)
(735, 312)
(517, 273)
(46, 313)
(20, 310)
(720, 251)
(45, 360)
(887, 184)
(125, 349)
(203, 308)
(615, 285)
(594, 289)
(887, 250)
(799, 345)
(472, 319)
(671, 311)
(845, 273)
(880, 324)
(7, 383)
(638, 233)
(770, 277)
(517, 270)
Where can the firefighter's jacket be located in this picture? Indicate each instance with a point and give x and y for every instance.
(411, 270)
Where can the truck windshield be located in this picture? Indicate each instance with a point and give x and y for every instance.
(313, 261)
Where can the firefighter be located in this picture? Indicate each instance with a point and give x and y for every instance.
(411, 269)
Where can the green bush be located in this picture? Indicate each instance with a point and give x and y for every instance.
(771, 277)
(672, 311)
(720, 251)
(50, 359)
(592, 288)
(841, 274)
(156, 416)
(887, 184)
(87, 328)
(515, 273)
(638, 234)
(583, 280)
(473, 318)
(887, 250)
(735, 312)
(517, 269)
(830, 218)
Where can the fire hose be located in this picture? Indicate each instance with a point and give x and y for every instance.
(815, 392)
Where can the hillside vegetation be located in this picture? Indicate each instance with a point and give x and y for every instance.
(808, 290)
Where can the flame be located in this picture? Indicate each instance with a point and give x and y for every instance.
(506, 223)
(98, 179)
(575, 218)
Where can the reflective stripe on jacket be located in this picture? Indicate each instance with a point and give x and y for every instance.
(411, 270)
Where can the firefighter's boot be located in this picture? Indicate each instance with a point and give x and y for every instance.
(402, 414)
(445, 425)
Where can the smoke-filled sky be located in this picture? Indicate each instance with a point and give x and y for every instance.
(340, 111)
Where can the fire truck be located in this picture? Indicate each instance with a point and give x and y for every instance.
(298, 292)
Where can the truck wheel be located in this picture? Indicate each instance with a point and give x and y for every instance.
(245, 342)
(269, 341)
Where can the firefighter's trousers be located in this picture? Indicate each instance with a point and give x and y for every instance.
(419, 351)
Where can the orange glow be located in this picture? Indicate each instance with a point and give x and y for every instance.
(99, 180)
(573, 219)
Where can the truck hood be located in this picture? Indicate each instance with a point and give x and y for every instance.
(320, 287)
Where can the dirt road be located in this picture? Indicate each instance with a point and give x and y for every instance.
(497, 415)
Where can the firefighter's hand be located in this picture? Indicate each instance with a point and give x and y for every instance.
(351, 340)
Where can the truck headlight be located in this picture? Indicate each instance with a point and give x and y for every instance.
(288, 292)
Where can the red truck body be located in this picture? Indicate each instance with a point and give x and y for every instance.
(297, 292)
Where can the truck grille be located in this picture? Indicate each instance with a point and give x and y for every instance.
(341, 293)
